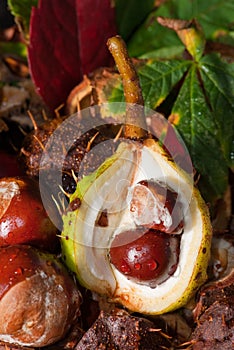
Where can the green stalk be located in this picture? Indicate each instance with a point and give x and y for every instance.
(135, 123)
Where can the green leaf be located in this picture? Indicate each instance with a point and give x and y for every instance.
(215, 16)
(157, 79)
(218, 80)
(151, 36)
(21, 9)
(201, 110)
(189, 32)
(129, 15)
(196, 122)
(165, 52)
(15, 48)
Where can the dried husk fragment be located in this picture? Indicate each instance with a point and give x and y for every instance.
(119, 330)
(214, 315)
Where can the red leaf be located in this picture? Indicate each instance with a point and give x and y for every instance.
(67, 40)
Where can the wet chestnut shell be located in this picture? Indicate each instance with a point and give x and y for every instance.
(142, 255)
(23, 218)
(39, 300)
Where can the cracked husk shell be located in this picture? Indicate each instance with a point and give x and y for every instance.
(86, 242)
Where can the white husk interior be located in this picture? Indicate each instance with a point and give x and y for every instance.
(91, 241)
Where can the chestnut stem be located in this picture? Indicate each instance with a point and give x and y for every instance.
(135, 126)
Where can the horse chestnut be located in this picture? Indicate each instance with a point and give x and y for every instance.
(23, 219)
(142, 255)
(39, 300)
